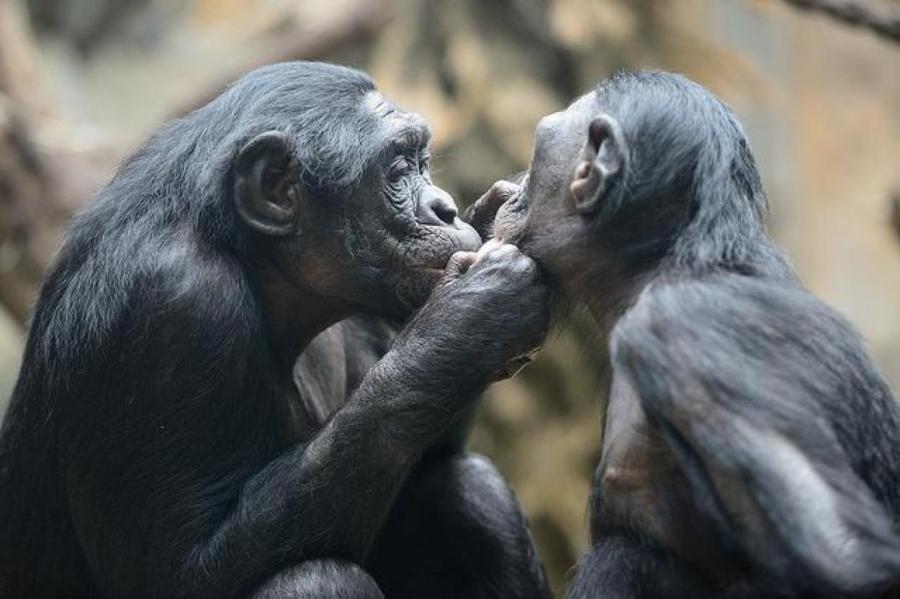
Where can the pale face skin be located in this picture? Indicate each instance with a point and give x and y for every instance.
(403, 227)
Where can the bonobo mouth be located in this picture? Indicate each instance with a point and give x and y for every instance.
(418, 281)
(422, 266)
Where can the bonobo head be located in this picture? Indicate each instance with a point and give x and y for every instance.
(648, 169)
(331, 186)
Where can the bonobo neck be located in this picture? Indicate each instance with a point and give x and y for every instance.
(292, 316)
(611, 295)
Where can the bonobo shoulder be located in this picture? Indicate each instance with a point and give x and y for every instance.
(732, 305)
(740, 333)
(191, 267)
(184, 278)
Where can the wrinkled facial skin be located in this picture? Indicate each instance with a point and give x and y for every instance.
(544, 205)
(388, 245)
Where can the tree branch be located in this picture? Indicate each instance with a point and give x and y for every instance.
(895, 213)
(360, 24)
(856, 14)
(39, 187)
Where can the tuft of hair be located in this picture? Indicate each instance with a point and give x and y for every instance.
(686, 146)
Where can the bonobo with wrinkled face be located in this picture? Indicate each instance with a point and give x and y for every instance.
(751, 448)
(181, 452)
(376, 236)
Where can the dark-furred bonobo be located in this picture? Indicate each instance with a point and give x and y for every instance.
(156, 444)
(751, 448)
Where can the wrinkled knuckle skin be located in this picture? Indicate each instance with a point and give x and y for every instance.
(504, 189)
(522, 263)
(504, 251)
(497, 187)
(506, 254)
(500, 190)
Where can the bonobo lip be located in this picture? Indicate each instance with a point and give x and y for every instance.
(467, 240)
(463, 244)
(432, 267)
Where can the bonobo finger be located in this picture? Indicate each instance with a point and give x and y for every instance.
(487, 248)
(507, 255)
(458, 265)
(481, 213)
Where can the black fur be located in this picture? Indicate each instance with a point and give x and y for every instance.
(156, 445)
(752, 449)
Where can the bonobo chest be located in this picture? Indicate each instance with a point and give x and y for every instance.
(320, 377)
(318, 387)
(639, 485)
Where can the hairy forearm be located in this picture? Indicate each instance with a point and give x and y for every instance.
(330, 497)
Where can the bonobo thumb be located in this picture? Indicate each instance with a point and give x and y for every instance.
(458, 265)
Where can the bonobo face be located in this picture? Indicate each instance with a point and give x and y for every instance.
(377, 238)
(543, 218)
(613, 186)
(403, 227)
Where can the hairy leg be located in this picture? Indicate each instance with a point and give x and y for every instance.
(457, 531)
(320, 579)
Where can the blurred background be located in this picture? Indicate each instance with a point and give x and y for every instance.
(83, 82)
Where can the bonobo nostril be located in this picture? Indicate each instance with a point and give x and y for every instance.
(446, 214)
(436, 208)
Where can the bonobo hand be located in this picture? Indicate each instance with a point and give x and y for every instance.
(481, 214)
(487, 314)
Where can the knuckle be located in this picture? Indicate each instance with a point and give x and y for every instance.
(504, 187)
(499, 187)
(460, 258)
(522, 261)
(507, 251)
(496, 255)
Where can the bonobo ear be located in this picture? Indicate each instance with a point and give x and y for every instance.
(602, 164)
(266, 193)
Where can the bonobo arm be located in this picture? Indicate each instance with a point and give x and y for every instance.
(330, 497)
(763, 393)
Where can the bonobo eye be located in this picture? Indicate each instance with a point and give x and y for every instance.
(400, 167)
